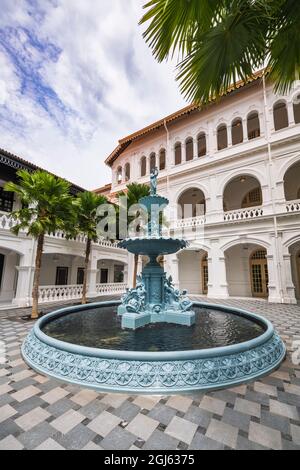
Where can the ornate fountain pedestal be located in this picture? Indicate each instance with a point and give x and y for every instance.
(155, 298)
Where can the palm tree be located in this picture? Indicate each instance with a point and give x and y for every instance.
(87, 219)
(129, 198)
(46, 206)
(220, 42)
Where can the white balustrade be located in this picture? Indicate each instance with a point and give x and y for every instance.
(243, 214)
(49, 294)
(6, 222)
(112, 288)
(83, 239)
(293, 206)
(190, 222)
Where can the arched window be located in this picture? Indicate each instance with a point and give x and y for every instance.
(119, 175)
(143, 166)
(178, 153)
(189, 148)
(127, 172)
(162, 159)
(253, 125)
(202, 145)
(237, 131)
(296, 106)
(281, 119)
(152, 161)
(222, 137)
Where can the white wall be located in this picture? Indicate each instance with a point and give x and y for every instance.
(190, 272)
(51, 262)
(238, 270)
(110, 265)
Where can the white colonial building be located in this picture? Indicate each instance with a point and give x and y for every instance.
(239, 158)
(63, 260)
(235, 164)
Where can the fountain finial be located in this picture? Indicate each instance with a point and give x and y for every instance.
(153, 181)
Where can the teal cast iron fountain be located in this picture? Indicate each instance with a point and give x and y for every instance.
(155, 298)
(155, 341)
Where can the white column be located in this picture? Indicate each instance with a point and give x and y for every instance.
(275, 270)
(183, 151)
(25, 282)
(92, 276)
(126, 270)
(211, 140)
(195, 145)
(147, 165)
(288, 284)
(291, 114)
(229, 135)
(217, 276)
(245, 130)
(130, 270)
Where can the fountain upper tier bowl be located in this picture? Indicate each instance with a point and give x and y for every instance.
(153, 246)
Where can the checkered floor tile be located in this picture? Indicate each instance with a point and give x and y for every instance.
(41, 414)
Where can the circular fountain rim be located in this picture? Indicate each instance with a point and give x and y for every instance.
(72, 348)
(149, 372)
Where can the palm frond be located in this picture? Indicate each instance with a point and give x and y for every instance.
(174, 24)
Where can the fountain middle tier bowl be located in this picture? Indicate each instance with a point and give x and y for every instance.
(153, 246)
(85, 345)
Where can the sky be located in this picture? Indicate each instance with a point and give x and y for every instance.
(76, 76)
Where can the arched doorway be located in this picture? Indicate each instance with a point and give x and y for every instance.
(292, 182)
(247, 271)
(191, 204)
(259, 273)
(242, 192)
(295, 266)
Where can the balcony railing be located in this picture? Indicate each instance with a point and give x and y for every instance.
(6, 223)
(83, 239)
(108, 289)
(293, 206)
(51, 294)
(243, 214)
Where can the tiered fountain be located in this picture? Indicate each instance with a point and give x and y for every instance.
(155, 340)
(155, 299)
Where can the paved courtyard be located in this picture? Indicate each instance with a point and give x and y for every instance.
(40, 413)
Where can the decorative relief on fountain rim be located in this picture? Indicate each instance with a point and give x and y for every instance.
(135, 375)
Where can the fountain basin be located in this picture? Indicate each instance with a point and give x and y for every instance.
(161, 372)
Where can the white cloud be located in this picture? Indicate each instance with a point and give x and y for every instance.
(105, 84)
